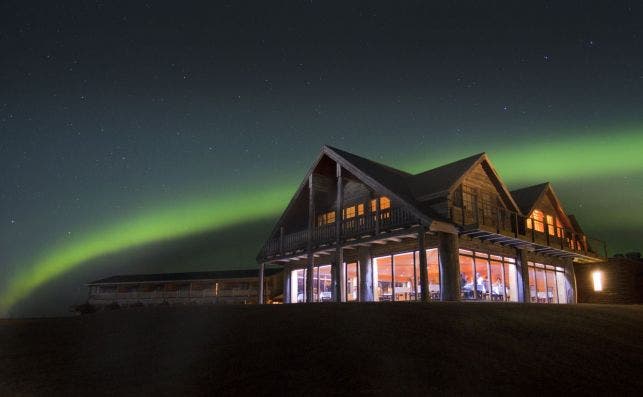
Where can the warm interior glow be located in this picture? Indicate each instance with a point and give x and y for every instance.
(385, 203)
(597, 276)
(537, 218)
(550, 225)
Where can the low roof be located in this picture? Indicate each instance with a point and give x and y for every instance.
(188, 276)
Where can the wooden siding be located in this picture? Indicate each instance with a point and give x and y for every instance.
(622, 282)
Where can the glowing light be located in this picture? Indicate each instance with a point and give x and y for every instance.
(570, 156)
(190, 217)
(597, 276)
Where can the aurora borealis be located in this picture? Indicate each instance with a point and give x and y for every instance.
(124, 125)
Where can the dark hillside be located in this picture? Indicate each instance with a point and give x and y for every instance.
(326, 349)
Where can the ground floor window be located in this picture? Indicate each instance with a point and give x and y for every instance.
(322, 284)
(548, 284)
(487, 277)
(397, 277)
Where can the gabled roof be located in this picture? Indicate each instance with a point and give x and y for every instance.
(527, 197)
(575, 224)
(411, 190)
(439, 180)
(387, 180)
(189, 276)
(389, 177)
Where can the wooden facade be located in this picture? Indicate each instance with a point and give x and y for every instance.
(620, 280)
(350, 210)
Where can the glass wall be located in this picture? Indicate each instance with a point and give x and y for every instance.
(434, 273)
(382, 279)
(467, 275)
(511, 279)
(352, 282)
(487, 277)
(298, 286)
(548, 284)
(397, 277)
(405, 275)
(322, 282)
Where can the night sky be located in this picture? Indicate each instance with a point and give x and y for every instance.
(153, 137)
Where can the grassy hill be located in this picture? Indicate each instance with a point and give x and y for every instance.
(325, 349)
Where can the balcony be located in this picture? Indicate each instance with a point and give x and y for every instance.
(498, 224)
(353, 228)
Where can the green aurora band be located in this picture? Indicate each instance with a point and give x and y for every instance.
(614, 154)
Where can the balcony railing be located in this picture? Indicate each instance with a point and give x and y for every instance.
(358, 226)
(497, 219)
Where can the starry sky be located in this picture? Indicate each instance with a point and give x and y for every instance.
(154, 136)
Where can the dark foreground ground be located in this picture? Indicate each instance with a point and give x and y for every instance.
(328, 349)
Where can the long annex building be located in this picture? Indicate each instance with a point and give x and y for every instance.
(357, 230)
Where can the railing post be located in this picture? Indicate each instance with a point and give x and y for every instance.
(547, 233)
(377, 215)
(281, 240)
(309, 247)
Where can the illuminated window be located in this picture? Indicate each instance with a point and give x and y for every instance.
(598, 281)
(559, 228)
(349, 212)
(537, 219)
(326, 218)
(385, 203)
(360, 209)
(529, 224)
(550, 225)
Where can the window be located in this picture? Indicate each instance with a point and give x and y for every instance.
(352, 282)
(548, 284)
(385, 203)
(559, 228)
(349, 212)
(597, 277)
(550, 225)
(405, 276)
(326, 218)
(536, 221)
(383, 279)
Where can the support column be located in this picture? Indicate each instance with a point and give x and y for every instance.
(336, 275)
(523, 276)
(342, 281)
(287, 282)
(339, 254)
(448, 254)
(366, 275)
(311, 225)
(309, 277)
(570, 274)
(424, 274)
(262, 268)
